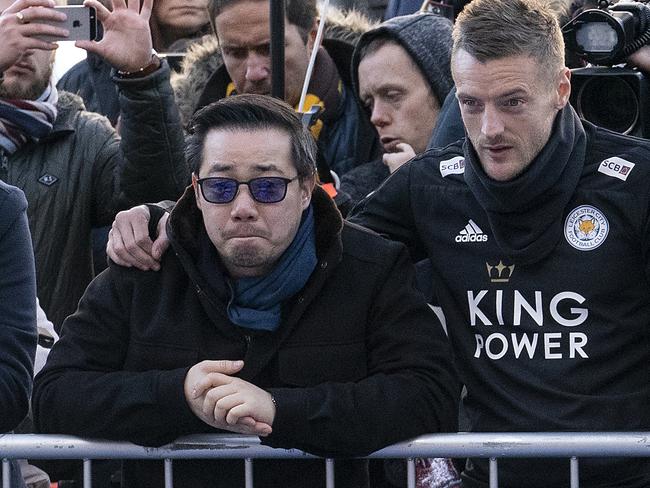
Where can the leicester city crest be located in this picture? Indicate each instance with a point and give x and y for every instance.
(586, 228)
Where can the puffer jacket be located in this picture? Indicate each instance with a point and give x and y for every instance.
(81, 175)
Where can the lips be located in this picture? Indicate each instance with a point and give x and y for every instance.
(389, 143)
(496, 149)
(242, 234)
(190, 9)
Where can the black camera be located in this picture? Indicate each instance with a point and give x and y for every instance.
(606, 35)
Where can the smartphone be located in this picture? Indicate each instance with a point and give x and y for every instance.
(81, 22)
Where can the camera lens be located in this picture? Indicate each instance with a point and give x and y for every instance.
(610, 102)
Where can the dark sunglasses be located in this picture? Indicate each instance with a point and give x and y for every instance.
(266, 189)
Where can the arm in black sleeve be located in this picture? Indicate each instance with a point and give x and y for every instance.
(153, 139)
(84, 390)
(411, 387)
(388, 212)
(17, 309)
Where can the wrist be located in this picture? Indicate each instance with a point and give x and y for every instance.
(150, 67)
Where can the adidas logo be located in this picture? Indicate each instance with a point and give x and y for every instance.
(471, 233)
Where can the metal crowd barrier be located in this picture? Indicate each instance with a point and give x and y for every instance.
(572, 445)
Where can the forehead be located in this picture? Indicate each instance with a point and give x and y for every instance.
(247, 23)
(495, 76)
(390, 64)
(243, 19)
(247, 152)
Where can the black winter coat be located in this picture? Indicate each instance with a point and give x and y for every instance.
(359, 361)
(557, 344)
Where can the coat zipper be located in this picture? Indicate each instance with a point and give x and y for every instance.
(203, 295)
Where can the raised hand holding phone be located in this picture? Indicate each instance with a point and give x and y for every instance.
(127, 43)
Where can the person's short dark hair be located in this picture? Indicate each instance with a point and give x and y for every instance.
(301, 13)
(495, 29)
(250, 112)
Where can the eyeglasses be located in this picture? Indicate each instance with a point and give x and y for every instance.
(266, 189)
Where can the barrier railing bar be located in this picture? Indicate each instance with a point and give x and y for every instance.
(248, 473)
(410, 473)
(169, 473)
(494, 473)
(226, 446)
(329, 473)
(6, 474)
(88, 473)
(575, 474)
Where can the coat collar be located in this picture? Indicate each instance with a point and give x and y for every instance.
(185, 229)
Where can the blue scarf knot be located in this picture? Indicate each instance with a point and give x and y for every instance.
(257, 302)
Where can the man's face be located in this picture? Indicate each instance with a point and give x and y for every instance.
(250, 236)
(244, 35)
(29, 76)
(508, 107)
(401, 103)
(182, 16)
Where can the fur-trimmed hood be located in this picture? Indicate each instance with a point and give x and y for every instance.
(203, 58)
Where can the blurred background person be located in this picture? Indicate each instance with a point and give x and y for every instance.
(401, 74)
(17, 313)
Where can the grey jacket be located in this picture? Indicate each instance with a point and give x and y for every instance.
(81, 175)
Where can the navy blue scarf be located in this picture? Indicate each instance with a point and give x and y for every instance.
(257, 302)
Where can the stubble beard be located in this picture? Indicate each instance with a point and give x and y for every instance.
(248, 261)
(14, 91)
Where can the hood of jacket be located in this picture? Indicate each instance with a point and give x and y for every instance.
(203, 58)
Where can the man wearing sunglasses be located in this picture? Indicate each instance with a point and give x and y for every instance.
(271, 317)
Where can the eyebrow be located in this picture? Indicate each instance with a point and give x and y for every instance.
(245, 46)
(517, 92)
(514, 93)
(216, 167)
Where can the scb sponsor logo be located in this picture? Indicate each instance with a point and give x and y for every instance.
(453, 166)
(616, 167)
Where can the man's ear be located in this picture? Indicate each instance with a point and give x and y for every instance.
(311, 36)
(307, 185)
(563, 87)
(195, 187)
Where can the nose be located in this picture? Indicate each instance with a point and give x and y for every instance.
(257, 67)
(244, 208)
(491, 123)
(380, 115)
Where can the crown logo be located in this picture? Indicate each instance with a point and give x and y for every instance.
(500, 273)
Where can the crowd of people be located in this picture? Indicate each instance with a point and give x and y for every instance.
(281, 279)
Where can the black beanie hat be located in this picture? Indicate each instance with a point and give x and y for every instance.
(427, 39)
